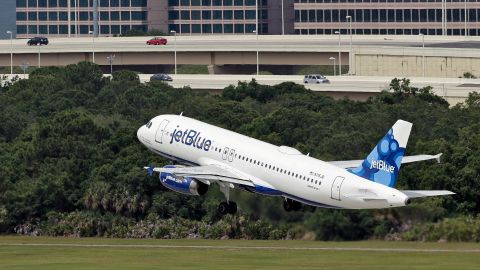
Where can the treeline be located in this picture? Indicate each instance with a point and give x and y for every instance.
(71, 165)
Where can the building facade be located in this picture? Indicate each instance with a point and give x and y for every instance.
(388, 17)
(208, 17)
(75, 17)
(186, 17)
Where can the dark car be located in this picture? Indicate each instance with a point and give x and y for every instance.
(38, 41)
(157, 41)
(160, 77)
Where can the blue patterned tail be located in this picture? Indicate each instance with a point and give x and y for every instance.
(383, 163)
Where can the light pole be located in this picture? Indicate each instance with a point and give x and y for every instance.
(423, 53)
(256, 16)
(110, 61)
(350, 57)
(256, 45)
(175, 50)
(334, 72)
(283, 19)
(11, 51)
(339, 54)
(39, 46)
(465, 15)
(93, 45)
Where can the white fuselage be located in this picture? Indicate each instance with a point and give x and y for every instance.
(284, 169)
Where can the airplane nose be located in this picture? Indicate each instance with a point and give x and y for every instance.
(140, 133)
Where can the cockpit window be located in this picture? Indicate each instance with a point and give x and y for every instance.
(149, 124)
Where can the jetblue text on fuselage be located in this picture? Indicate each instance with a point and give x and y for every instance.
(382, 165)
(190, 137)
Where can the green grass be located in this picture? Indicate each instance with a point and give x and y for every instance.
(231, 256)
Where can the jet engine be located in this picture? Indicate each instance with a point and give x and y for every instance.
(184, 185)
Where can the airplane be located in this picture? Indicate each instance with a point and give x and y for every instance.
(210, 154)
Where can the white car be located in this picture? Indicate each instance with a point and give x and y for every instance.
(315, 78)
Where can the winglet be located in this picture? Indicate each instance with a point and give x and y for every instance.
(150, 170)
(437, 157)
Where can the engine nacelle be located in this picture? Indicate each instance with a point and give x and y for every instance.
(187, 185)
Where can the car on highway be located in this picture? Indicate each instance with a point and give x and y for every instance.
(315, 78)
(37, 41)
(157, 41)
(160, 77)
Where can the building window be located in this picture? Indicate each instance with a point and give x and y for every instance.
(104, 16)
(125, 15)
(217, 15)
(206, 15)
(42, 16)
(139, 3)
(227, 14)
(195, 15)
(21, 3)
(185, 15)
(173, 15)
(239, 28)
(21, 29)
(115, 29)
(114, 15)
(21, 16)
(238, 14)
(207, 29)
(139, 15)
(32, 16)
(104, 29)
(185, 28)
(53, 16)
(174, 27)
(53, 29)
(63, 29)
(196, 28)
(32, 29)
(217, 28)
(84, 29)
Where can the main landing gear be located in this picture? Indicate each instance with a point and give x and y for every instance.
(291, 205)
(226, 207)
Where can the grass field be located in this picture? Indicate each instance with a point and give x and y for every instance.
(95, 253)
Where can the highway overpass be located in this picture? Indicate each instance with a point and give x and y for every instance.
(454, 90)
(391, 56)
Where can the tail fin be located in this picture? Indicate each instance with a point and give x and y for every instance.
(383, 163)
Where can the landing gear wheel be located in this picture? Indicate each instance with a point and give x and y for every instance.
(227, 208)
(232, 208)
(223, 208)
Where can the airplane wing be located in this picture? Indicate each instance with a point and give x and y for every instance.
(350, 164)
(208, 174)
(426, 193)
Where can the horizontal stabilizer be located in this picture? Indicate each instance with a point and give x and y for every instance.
(426, 193)
(348, 164)
(409, 159)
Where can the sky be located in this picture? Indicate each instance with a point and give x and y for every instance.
(7, 18)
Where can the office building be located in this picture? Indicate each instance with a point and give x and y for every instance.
(208, 17)
(186, 17)
(388, 17)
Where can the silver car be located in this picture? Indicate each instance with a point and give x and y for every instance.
(315, 78)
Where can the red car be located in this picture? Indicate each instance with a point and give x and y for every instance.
(157, 41)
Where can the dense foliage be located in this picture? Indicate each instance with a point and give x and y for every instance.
(70, 163)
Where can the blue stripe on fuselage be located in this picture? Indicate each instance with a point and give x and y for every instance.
(265, 189)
